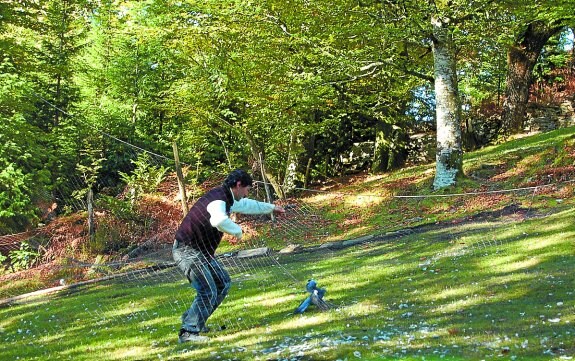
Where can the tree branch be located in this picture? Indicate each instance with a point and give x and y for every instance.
(471, 14)
(280, 23)
(403, 69)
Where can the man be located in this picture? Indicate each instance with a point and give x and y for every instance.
(196, 242)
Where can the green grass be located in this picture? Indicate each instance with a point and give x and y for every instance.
(499, 286)
(474, 291)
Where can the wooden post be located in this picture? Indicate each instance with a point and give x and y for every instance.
(90, 201)
(267, 188)
(181, 184)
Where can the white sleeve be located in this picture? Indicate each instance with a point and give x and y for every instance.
(250, 206)
(220, 219)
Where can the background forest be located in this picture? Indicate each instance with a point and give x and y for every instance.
(358, 113)
(312, 89)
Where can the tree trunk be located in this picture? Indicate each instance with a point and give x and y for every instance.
(449, 156)
(521, 59)
(256, 154)
(469, 139)
(292, 163)
(381, 148)
(390, 147)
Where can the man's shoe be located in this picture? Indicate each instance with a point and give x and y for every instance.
(187, 336)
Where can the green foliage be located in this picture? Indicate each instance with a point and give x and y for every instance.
(554, 56)
(228, 81)
(89, 166)
(16, 207)
(119, 208)
(22, 177)
(23, 258)
(3, 265)
(114, 231)
(145, 178)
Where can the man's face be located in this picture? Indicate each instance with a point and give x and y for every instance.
(242, 191)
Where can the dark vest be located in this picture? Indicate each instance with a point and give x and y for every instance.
(196, 230)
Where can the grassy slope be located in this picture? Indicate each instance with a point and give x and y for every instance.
(497, 285)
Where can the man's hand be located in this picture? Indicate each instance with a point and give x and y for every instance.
(279, 209)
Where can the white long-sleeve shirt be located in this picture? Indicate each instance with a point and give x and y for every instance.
(221, 220)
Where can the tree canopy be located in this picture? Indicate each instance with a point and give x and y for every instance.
(301, 86)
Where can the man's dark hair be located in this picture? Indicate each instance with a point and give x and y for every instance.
(238, 175)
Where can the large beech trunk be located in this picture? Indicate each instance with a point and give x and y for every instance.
(521, 59)
(449, 155)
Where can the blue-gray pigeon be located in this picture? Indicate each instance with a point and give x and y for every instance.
(315, 297)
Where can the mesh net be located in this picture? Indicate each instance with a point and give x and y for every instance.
(134, 236)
